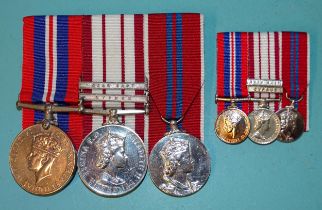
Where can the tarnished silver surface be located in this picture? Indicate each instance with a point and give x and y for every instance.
(179, 164)
(265, 126)
(292, 124)
(112, 160)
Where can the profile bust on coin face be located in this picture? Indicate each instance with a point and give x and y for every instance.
(44, 151)
(232, 126)
(112, 160)
(292, 124)
(177, 166)
(111, 157)
(265, 126)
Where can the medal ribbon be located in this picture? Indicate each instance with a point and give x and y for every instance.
(264, 63)
(176, 72)
(232, 65)
(114, 51)
(295, 52)
(269, 55)
(52, 68)
(165, 48)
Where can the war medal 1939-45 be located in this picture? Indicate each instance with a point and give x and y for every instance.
(42, 159)
(179, 163)
(112, 160)
(232, 125)
(265, 125)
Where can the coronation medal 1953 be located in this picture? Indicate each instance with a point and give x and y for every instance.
(179, 163)
(292, 122)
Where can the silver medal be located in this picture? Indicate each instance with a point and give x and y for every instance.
(265, 125)
(292, 124)
(179, 163)
(112, 160)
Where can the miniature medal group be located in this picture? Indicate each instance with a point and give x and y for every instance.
(262, 126)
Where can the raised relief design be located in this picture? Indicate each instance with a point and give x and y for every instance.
(231, 123)
(111, 157)
(177, 166)
(44, 151)
(261, 124)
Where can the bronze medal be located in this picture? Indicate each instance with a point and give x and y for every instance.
(42, 161)
(232, 125)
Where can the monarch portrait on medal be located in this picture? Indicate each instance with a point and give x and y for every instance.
(111, 158)
(44, 151)
(177, 166)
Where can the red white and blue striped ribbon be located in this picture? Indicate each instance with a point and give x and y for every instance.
(265, 55)
(232, 54)
(165, 48)
(51, 67)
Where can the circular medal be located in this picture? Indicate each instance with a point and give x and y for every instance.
(292, 124)
(232, 126)
(42, 161)
(265, 126)
(112, 160)
(179, 164)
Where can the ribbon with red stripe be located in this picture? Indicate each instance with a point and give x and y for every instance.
(264, 63)
(266, 55)
(167, 49)
(51, 68)
(295, 58)
(232, 68)
(114, 51)
(176, 72)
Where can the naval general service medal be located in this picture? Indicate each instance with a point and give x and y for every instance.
(112, 160)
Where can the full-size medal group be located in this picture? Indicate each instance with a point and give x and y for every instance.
(86, 87)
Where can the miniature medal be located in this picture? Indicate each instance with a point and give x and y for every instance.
(232, 125)
(112, 160)
(179, 163)
(42, 159)
(265, 125)
(292, 123)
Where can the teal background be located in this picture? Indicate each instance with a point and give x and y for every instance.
(245, 176)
